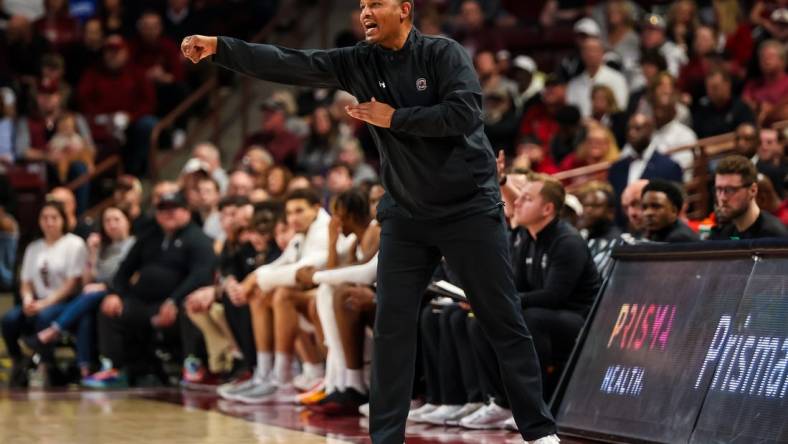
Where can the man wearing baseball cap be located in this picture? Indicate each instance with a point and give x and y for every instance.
(530, 81)
(115, 94)
(282, 143)
(166, 263)
(653, 36)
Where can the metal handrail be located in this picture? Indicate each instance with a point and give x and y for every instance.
(102, 167)
(153, 150)
(703, 150)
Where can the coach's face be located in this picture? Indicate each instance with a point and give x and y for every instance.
(382, 19)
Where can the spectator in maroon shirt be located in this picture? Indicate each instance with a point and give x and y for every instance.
(34, 133)
(736, 29)
(58, 26)
(767, 94)
(692, 76)
(283, 145)
(161, 59)
(118, 97)
(53, 70)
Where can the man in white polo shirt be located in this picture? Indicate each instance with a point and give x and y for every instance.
(578, 93)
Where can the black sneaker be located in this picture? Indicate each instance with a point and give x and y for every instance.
(34, 344)
(18, 374)
(343, 403)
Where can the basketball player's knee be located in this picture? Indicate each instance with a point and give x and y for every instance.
(340, 295)
(259, 298)
(282, 296)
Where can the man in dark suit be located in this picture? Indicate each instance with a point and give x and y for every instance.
(640, 158)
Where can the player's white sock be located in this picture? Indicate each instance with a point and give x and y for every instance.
(265, 362)
(314, 370)
(355, 380)
(283, 364)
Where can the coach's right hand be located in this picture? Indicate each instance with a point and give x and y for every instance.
(198, 47)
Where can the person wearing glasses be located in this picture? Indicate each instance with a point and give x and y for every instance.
(738, 214)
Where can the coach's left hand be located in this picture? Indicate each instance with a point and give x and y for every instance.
(373, 112)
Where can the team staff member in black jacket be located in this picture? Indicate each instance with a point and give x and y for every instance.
(556, 280)
(167, 262)
(662, 202)
(422, 101)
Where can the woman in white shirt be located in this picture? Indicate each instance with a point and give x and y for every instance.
(106, 250)
(51, 273)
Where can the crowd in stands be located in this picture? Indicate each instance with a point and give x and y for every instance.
(82, 80)
(259, 280)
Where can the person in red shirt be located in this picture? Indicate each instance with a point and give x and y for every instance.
(705, 57)
(57, 26)
(539, 120)
(769, 200)
(736, 29)
(161, 60)
(598, 145)
(118, 98)
(283, 144)
(768, 93)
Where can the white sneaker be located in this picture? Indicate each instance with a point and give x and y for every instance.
(306, 383)
(511, 425)
(549, 439)
(364, 410)
(488, 417)
(228, 390)
(466, 410)
(439, 415)
(258, 393)
(416, 415)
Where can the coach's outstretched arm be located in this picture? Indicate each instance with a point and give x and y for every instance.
(267, 62)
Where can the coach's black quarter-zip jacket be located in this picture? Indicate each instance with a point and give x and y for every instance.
(436, 162)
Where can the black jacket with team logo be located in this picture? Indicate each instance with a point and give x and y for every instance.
(436, 162)
(555, 270)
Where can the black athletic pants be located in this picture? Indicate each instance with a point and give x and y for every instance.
(459, 355)
(240, 321)
(477, 249)
(449, 364)
(429, 337)
(129, 340)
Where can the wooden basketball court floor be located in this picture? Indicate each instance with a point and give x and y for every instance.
(159, 416)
